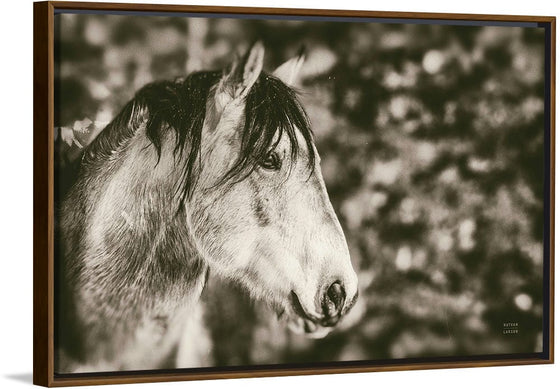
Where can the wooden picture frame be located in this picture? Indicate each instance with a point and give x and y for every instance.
(44, 194)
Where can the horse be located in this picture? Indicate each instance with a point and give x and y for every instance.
(217, 172)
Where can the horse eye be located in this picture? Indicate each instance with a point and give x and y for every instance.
(271, 161)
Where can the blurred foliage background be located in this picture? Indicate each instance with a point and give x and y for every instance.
(431, 138)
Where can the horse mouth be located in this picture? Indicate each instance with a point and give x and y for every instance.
(305, 322)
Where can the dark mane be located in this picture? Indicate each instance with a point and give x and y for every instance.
(272, 109)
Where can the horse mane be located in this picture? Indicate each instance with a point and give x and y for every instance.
(272, 109)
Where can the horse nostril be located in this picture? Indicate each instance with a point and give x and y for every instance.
(333, 300)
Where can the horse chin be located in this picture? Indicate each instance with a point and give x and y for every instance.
(308, 328)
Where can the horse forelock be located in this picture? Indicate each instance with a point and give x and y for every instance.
(271, 110)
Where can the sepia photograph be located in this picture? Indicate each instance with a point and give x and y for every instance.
(236, 191)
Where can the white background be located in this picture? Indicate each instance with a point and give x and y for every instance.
(16, 210)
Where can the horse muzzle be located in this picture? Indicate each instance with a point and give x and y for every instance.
(334, 304)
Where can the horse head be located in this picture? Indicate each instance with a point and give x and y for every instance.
(259, 213)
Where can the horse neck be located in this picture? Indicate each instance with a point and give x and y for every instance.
(130, 246)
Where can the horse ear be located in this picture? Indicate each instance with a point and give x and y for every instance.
(243, 73)
(289, 70)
